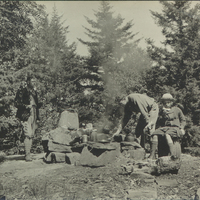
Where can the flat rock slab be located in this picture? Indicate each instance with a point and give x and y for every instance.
(59, 147)
(106, 146)
(134, 144)
(15, 157)
(87, 158)
(38, 156)
(141, 175)
(167, 182)
(147, 193)
(22, 157)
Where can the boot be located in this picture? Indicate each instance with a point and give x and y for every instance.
(28, 143)
(154, 146)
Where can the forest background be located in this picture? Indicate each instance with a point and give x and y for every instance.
(32, 42)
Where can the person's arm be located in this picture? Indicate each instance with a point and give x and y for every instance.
(18, 99)
(182, 121)
(125, 119)
(118, 130)
(143, 110)
(127, 115)
(37, 106)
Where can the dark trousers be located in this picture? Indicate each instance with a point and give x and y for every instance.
(139, 130)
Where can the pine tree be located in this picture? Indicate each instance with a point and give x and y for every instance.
(178, 61)
(17, 22)
(108, 34)
(113, 50)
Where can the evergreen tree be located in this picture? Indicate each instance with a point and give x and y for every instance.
(177, 69)
(108, 34)
(17, 22)
(113, 50)
(56, 66)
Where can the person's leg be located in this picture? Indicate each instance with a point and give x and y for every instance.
(154, 146)
(28, 144)
(139, 131)
(28, 130)
(170, 143)
(154, 142)
(153, 117)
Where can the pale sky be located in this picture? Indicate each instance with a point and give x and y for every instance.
(73, 13)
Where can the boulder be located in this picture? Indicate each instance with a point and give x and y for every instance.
(59, 135)
(109, 156)
(89, 159)
(69, 119)
(98, 157)
(73, 158)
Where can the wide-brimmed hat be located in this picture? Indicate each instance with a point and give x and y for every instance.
(167, 96)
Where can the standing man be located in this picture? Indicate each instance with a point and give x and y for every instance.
(148, 108)
(26, 102)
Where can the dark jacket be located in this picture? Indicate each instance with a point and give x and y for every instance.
(22, 99)
(172, 118)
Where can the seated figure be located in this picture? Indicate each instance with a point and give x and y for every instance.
(171, 123)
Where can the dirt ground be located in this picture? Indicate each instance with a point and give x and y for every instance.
(38, 180)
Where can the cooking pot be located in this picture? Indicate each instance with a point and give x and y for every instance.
(129, 138)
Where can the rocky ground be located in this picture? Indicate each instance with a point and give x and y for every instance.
(38, 180)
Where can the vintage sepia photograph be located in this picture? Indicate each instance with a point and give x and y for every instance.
(99, 100)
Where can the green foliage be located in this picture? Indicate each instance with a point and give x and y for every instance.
(179, 59)
(113, 49)
(192, 138)
(17, 21)
(56, 67)
(176, 67)
(116, 66)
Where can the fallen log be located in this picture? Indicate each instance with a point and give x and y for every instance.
(166, 164)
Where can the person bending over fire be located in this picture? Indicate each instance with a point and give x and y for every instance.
(148, 108)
